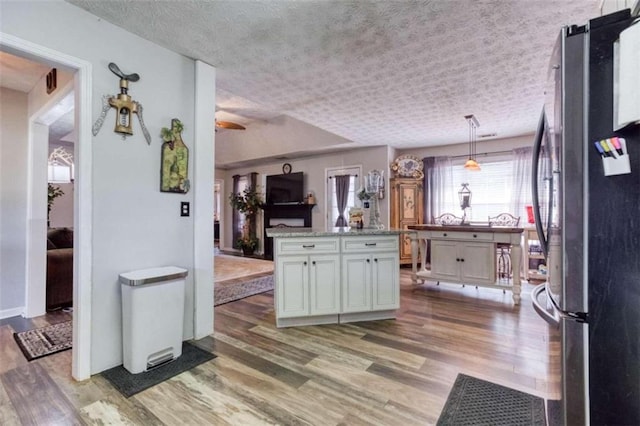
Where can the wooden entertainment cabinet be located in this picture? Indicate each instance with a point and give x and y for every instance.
(274, 212)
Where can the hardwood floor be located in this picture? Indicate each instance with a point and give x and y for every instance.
(392, 372)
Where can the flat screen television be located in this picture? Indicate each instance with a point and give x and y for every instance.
(285, 189)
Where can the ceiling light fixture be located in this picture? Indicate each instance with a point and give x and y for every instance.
(229, 125)
(471, 163)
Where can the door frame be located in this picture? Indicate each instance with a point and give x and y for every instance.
(82, 259)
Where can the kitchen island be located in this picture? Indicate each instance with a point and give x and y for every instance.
(336, 276)
(465, 254)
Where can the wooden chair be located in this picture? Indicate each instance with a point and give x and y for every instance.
(504, 250)
(447, 219)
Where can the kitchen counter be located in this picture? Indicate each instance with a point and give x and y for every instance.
(291, 232)
(335, 276)
(466, 254)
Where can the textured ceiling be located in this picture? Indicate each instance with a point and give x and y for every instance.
(402, 73)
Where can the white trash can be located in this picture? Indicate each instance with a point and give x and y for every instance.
(152, 316)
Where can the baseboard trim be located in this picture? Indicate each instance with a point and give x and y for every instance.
(8, 313)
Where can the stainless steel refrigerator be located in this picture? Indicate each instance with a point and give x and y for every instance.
(589, 225)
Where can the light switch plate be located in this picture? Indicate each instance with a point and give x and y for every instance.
(184, 208)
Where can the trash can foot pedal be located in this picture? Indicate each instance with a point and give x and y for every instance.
(160, 361)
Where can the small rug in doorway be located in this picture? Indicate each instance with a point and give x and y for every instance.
(229, 291)
(45, 341)
(130, 384)
(474, 401)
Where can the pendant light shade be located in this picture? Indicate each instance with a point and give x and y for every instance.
(471, 163)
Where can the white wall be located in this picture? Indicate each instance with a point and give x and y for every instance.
(13, 207)
(62, 208)
(494, 145)
(314, 170)
(134, 225)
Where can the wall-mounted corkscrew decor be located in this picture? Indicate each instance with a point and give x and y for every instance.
(125, 106)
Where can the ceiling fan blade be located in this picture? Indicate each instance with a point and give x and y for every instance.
(229, 125)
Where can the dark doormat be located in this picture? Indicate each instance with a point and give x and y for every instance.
(130, 384)
(474, 402)
(45, 341)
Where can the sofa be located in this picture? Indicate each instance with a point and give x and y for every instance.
(59, 268)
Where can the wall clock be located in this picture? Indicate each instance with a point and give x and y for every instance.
(408, 166)
(286, 168)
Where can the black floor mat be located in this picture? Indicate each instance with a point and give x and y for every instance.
(130, 384)
(475, 402)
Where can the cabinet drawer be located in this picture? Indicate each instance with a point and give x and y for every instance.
(369, 244)
(467, 236)
(300, 246)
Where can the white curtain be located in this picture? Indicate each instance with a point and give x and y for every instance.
(442, 181)
(521, 189)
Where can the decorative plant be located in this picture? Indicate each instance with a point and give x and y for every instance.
(363, 195)
(247, 243)
(52, 193)
(247, 202)
(171, 134)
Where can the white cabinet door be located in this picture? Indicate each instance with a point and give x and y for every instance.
(385, 281)
(465, 262)
(324, 284)
(445, 262)
(292, 292)
(478, 262)
(356, 283)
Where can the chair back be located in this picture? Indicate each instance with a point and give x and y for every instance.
(504, 219)
(447, 219)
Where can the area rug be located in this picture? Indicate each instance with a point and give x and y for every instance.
(229, 291)
(130, 384)
(233, 267)
(474, 401)
(45, 341)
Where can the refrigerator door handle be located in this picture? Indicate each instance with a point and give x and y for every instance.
(558, 314)
(551, 318)
(537, 148)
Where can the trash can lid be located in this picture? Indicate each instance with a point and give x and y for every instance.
(153, 275)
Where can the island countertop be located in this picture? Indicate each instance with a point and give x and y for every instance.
(343, 231)
(467, 228)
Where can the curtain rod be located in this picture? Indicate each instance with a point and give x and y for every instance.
(331, 177)
(483, 154)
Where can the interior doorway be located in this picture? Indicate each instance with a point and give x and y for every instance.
(36, 206)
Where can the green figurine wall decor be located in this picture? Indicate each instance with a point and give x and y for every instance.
(175, 160)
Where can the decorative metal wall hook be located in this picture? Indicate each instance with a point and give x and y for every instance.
(125, 106)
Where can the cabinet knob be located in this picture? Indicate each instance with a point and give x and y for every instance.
(368, 260)
(375, 260)
(457, 259)
(461, 260)
(313, 263)
(304, 263)
(475, 236)
(444, 235)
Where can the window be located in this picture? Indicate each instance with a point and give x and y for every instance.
(491, 188)
(354, 185)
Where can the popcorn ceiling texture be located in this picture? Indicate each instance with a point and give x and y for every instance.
(402, 73)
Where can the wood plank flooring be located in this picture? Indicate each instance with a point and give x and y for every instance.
(392, 372)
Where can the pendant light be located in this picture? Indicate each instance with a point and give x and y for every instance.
(471, 163)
